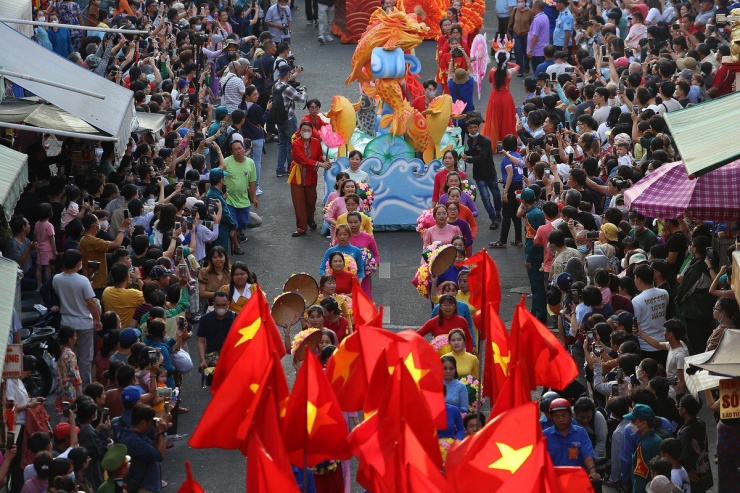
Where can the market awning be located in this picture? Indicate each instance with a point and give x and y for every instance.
(153, 122)
(8, 287)
(726, 358)
(18, 9)
(39, 113)
(705, 134)
(13, 178)
(113, 112)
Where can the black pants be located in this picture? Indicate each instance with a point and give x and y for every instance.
(312, 10)
(503, 27)
(698, 330)
(16, 471)
(508, 213)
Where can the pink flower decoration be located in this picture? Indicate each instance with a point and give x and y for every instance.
(330, 137)
(458, 107)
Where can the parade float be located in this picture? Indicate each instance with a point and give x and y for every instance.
(401, 146)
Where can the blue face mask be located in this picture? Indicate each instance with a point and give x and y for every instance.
(583, 248)
(206, 152)
(71, 475)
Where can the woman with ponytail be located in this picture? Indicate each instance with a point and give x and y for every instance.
(501, 113)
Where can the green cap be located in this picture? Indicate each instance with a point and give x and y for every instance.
(115, 457)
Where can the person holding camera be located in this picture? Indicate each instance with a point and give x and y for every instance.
(479, 154)
(95, 250)
(278, 20)
(676, 344)
(283, 112)
(146, 453)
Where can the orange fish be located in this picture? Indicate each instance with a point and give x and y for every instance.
(389, 30)
(417, 132)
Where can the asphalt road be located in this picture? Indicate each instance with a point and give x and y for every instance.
(274, 255)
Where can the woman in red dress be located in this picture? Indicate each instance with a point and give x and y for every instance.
(449, 161)
(447, 320)
(501, 111)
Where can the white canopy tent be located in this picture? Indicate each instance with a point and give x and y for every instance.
(18, 9)
(13, 178)
(112, 112)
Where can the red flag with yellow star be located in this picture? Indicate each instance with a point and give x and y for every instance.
(253, 319)
(497, 355)
(265, 471)
(485, 287)
(490, 458)
(548, 361)
(401, 432)
(314, 424)
(227, 417)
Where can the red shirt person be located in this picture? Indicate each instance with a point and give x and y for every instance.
(447, 320)
(307, 159)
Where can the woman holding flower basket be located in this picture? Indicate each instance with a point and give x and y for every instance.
(454, 196)
(353, 259)
(447, 320)
(449, 161)
(352, 201)
(369, 249)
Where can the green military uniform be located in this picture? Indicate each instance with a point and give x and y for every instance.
(114, 459)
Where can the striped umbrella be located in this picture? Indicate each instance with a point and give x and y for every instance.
(668, 192)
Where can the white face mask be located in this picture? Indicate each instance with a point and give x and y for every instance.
(306, 134)
(221, 311)
(472, 136)
(98, 153)
(104, 225)
(41, 18)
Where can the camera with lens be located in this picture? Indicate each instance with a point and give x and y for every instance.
(456, 52)
(291, 63)
(592, 235)
(200, 38)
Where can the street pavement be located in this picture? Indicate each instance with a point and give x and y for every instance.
(274, 255)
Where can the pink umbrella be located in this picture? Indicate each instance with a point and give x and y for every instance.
(668, 192)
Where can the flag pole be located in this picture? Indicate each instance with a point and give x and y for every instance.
(484, 321)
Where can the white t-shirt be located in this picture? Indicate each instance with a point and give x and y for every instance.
(650, 308)
(680, 479)
(674, 363)
(16, 392)
(73, 290)
(668, 106)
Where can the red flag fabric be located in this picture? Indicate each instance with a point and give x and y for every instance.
(380, 379)
(548, 362)
(497, 355)
(190, 485)
(535, 475)
(485, 286)
(378, 442)
(487, 460)
(363, 308)
(227, 416)
(573, 480)
(314, 424)
(516, 390)
(253, 319)
(264, 474)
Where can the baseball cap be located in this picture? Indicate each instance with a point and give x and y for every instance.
(158, 272)
(62, 430)
(610, 231)
(115, 457)
(265, 35)
(130, 395)
(181, 83)
(659, 484)
(637, 258)
(284, 69)
(641, 411)
(190, 202)
(527, 195)
(621, 62)
(217, 175)
(564, 280)
(129, 336)
(221, 112)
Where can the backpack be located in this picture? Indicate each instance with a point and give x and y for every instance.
(278, 112)
(226, 143)
(269, 80)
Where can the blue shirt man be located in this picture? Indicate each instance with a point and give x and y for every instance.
(562, 36)
(146, 453)
(568, 443)
(461, 89)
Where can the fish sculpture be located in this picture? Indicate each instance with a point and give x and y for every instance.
(417, 133)
(389, 91)
(366, 110)
(479, 59)
(343, 120)
(387, 30)
(438, 115)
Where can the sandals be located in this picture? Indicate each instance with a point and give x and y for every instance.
(516, 243)
(497, 244)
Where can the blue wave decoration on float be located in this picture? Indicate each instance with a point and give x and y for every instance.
(403, 189)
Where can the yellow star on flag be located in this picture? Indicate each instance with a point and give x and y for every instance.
(501, 360)
(248, 332)
(343, 359)
(254, 387)
(322, 413)
(416, 373)
(511, 459)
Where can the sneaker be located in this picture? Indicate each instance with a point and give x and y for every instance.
(174, 438)
(316, 24)
(298, 232)
(280, 174)
(309, 22)
(312, 225)
(259, 191)
(330, 38)
(321, 40)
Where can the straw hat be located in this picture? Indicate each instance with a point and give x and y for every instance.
(287, 308)
(443, 260)
(461, 76)
(310, 343)
(304, 285)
